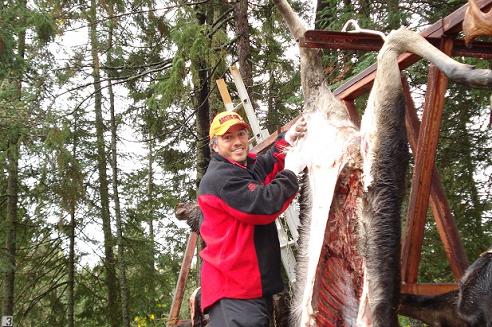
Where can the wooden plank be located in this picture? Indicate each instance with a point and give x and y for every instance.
(422, 176)
(362, 82)
(340, 40)
(265, 144)
(224, 94)
(446, 226)
(370, 42)
(183, 276)
(428, 289)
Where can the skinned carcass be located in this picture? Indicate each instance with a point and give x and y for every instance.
(330, 142)
(333, 144)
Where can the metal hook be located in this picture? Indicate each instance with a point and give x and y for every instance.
(357, 29)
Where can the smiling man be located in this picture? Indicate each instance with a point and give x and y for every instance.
(240, 196)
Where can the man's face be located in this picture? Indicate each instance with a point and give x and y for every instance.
(233, 145)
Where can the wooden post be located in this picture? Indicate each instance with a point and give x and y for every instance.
(183, 276)
(428, 289)
(423, 170)
(224, 94)
(446, 226)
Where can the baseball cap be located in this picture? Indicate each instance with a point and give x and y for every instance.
(225, 120)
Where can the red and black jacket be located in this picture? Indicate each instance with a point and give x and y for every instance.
(241, 258)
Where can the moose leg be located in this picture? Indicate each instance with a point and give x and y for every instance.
(404, 40)
(384, 149)
(470, 306)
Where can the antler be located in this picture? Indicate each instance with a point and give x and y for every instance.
(476, 22)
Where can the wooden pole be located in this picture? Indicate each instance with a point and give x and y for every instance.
(446, 226)
(183, 276)
(423, 170)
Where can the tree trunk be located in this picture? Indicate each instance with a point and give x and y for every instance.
(12, 195)
(273, 114)
(71, 246)
(150, 215)
(116, 198)
(202, 89)
(243, 44)
(110, 278)
(71, 269)
(11, 225)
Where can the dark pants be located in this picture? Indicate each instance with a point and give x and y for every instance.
(241, 313)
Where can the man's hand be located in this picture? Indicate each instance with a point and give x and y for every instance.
(184, 210)
(296, 131)
(190, 212)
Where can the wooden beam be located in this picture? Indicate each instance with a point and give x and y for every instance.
(428, 289)
(224, 94)
(362, 82)
(370, 42)
(183, 276)
(265, 144)
(422, 176)
(446, 226)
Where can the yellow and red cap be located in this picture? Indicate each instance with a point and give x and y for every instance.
(225, 120)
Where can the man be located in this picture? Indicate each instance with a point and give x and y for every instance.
(240, 197)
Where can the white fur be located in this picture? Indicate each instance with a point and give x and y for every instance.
(324, 148)
(368, 131)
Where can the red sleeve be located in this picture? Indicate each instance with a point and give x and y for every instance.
(271, 162)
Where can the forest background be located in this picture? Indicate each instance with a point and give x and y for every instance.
(104, 114)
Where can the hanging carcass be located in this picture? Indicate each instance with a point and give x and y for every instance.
(332, 145)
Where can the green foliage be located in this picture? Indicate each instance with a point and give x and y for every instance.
(192, 44)
(166, 92)
(69, 185)
(44, 26)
